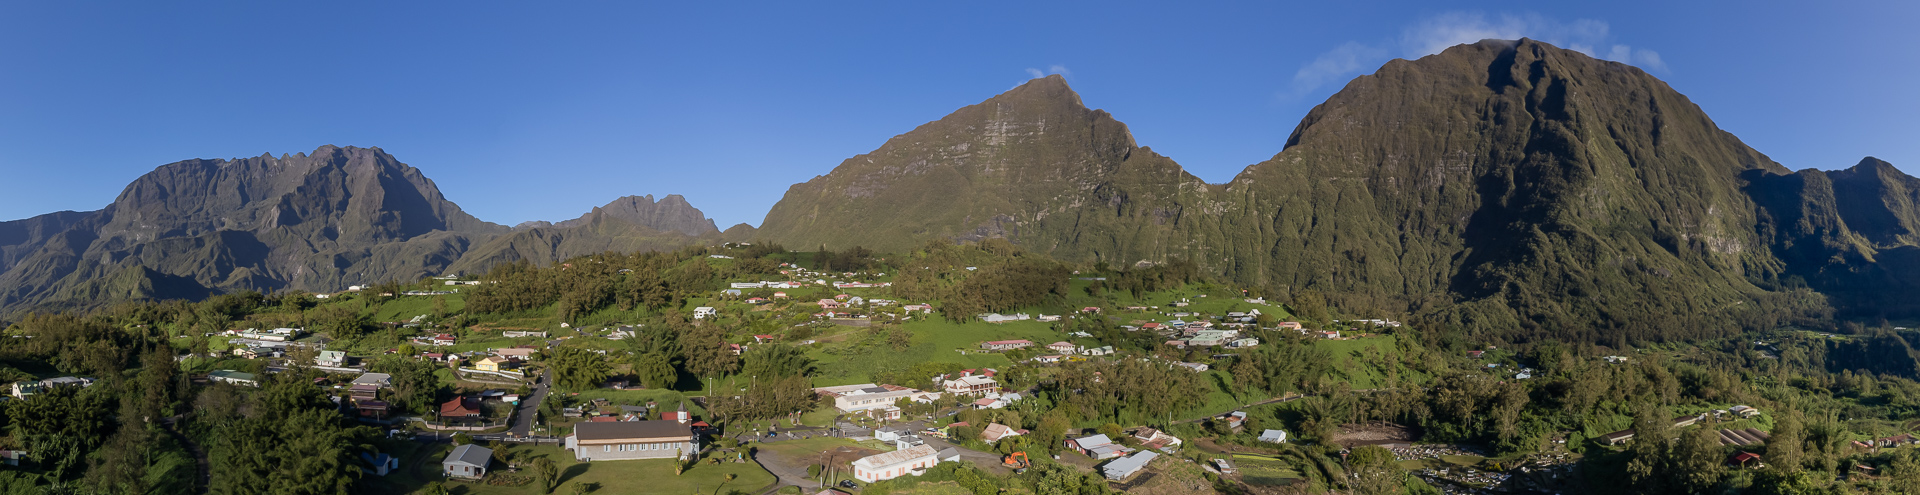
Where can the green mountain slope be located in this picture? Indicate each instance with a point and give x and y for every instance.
(1501, 186)
(1032, 164)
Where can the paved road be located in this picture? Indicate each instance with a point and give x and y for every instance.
(523, 417)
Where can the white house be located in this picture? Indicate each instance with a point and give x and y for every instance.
(1273, 436)
(703, 312)
(467, 461)
(914, 461)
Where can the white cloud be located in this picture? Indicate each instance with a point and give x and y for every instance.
(1337, 64)
(1035, 73)
(1437, 33)
(1059, 69)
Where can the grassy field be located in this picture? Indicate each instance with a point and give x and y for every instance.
(848, 357)
(639, 476)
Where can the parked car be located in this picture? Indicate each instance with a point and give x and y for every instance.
(847, 484)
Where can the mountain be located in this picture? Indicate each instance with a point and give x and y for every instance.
(1032, 164)
(628, 224)
(672, 213)
(1499, 186)
(314, 221)
(317, 222)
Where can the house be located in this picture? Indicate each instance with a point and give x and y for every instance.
(1273, 436)
(895, 464)
(1330, 334)
(1196, 367)
(381, 380)
(972, 385)
(1225, 466)
(1243, 343)
(1476, 354)
(829, 304)
(1100, 351)
(460, 407)
(996, 431)
(756, 301)
(491, 363)
(1097, 447)
(371, 409)
(623, 440)
(990, 403)
(1235, 419)
(874, 400)
(1618, 437)
(891, 433)
(1125, 467)
(1049, 318)
(234, 378)
(1156, 439)
(515, 352)
(443, 339)
(1063, 347)
(760, 339)
(704, 312)
(331, 358)
(11, 457)
(1006, 345)
(1053, 358)
(1000, 318)
(1744, 411)
(467, 462)
(1746, 457)
(363, 392)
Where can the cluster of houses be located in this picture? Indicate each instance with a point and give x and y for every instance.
(874, 400)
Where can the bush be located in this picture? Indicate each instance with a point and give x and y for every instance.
(813, 471)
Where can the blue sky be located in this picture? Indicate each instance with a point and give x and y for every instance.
(540, 112)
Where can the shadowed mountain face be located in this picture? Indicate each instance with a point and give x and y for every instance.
(1499, 185)
(338, 216)
(672, 213)
(319, 222)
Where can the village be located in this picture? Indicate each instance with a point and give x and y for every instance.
(478, 403)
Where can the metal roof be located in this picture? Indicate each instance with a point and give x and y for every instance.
(471, 455)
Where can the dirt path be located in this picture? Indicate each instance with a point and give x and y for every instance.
(204, 477)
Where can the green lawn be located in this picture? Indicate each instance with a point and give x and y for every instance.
(845, 361)
(638, 476)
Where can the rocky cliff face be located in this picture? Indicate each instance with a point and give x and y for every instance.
(314, 221)
(1502, 185)
(1032, 164)
(318, 222)
(670, 214)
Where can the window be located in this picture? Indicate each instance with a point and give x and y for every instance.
(606, 448)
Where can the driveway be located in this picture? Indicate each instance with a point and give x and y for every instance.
(523, 416)
(987, 461)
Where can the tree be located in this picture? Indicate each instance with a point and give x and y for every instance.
(655, 371)
(1786, 447)
(1374, 471)
(579, 369)
(546, 474)
(462, 439)
(774, 360)
(1696, 461)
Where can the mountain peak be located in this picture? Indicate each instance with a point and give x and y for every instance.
(670, 213)
(1052, 88)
